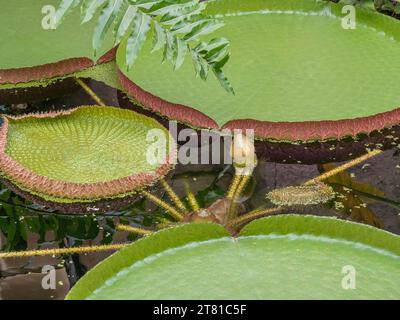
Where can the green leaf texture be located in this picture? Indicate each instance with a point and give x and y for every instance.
(179, 22)
(289, 60)
(282, 257)
(89, 145)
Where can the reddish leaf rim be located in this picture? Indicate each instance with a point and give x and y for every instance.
(280, 131)
(52, 70)
(20, 175)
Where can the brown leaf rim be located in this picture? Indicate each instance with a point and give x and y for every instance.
(20, 175)
(266, 130)
(52, 70)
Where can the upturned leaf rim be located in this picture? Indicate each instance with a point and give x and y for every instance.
(183, 234)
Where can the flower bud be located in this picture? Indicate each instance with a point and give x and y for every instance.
(243, 153)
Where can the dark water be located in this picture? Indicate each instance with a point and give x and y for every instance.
(24, 225)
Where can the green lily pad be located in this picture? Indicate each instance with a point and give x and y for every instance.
(298, 75)
(81, 155)
(31, 51)
(284, 257)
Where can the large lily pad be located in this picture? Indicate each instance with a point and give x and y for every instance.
(82, 155)
(285, 257)
(298, 76)
(27, 43)
(34, 58)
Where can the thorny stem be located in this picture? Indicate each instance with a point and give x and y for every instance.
(90, 92)
(243, 183)
(59, 251)
(256, 213)
(170, 209)
(233, 186)
(235, 198)
(235, 190)
(139, 231)
(173, 196)
(191, 198)
(163, 223)
(343, 167)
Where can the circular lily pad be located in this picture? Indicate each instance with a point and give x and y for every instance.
(81, 155)
(282, 257)
(299, 76)
(34, 57)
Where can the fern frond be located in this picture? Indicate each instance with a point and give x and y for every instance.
(212, 55)
(65, 7)
(159, 37)
(140, 28)
(177, 26)
(107, 18)
(89, 8)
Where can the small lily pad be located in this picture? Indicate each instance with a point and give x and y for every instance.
(280, 257)
(86, 154)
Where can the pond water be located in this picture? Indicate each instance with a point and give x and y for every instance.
(24, 225)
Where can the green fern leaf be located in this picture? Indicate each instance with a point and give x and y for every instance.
(212, 45)
(173, 7)
(105, 21)
(119, 17)
(65, 7)
(217, 50)
(213, 55)
(126, 21)
(202, 29)
(196, 62)
(140, 28)
(185, 26)
(89, 8)
(177, 25)
(169, 47)
(146, 4)
(159, 38)
(221, 63)
(187, 12)
(179, 54)
(200, 65)
(223, 80)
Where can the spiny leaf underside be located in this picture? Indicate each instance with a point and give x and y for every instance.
(177, 26)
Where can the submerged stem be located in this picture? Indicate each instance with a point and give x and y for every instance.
(59, 251)
(163, 223)
(90, 92)
(243, 183)
(170, 209)
(343, 167)
(254, 214)
(232, 188)
(173, 196)
(140, 231)
(191, 198)
(260, 212)
(235, 198)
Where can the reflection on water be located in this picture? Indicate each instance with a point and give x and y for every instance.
(368, 193)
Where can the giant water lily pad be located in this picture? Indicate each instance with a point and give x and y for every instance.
(30, 50)
(81, 156)
(33, 56)
(298, 77)
(285, 257)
